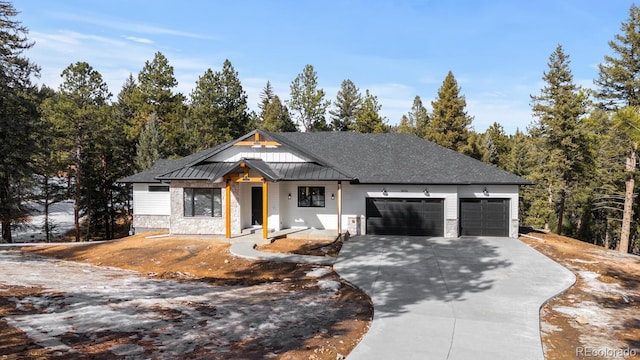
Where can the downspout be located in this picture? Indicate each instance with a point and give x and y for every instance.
(339, 206)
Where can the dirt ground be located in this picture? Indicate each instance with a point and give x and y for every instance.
(599, 317)
(207, 260)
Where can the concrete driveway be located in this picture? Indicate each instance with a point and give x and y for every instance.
(465, 298)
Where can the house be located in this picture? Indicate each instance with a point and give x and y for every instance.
(362, 183)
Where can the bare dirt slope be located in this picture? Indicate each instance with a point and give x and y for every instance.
(208, 260)
(599, 317)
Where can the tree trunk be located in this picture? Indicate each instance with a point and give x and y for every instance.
(563, 195)
(47, 230)
(76, 196)
(627, 215)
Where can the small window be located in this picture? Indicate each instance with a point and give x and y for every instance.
(202, 202)
(158, 188)
(310, 196)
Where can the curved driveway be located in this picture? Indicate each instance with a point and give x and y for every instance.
(465, 298)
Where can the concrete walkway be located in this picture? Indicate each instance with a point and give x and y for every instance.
(245, 246)
(467, 298)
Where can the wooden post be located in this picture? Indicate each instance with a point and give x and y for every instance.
(265, 207)
(228, 209)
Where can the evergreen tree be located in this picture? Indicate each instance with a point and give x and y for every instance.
(406, 126)
(619, 77)
(18, 118)
(266, 97)
(449, 121)
(154, 94)
(348, 101)
(276, 118)
(78, 113)
(149, 144)
(560, 108)
(307, 101)
(218, 110)
(419, 117)
(497, 145)
(367, 117)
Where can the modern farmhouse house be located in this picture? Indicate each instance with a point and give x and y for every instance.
(362, 183)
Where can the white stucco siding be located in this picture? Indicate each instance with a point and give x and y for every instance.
(150, 203)
(293, 216)
(236, 153)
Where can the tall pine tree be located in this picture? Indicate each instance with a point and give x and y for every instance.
(307, 101)
(450, 123)
(560, 108)
(18, 118)
(348, 101)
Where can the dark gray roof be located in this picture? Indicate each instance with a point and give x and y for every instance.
(396, 158)
(350, 156)
(164, 166)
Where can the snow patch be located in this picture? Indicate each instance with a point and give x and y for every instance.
(318, 272)
(329, 285)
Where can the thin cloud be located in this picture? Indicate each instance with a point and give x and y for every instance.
(139, 40)
(134, 27)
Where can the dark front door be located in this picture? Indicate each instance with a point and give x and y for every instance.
(405, 217)
(484, 217)
(256, 206)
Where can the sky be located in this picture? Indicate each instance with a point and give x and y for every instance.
(498, 50)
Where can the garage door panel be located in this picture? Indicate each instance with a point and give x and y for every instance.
(484, 217)
(405, 216)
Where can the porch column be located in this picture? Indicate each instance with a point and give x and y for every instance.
(339, 206)
(265, 207)
(228, 209)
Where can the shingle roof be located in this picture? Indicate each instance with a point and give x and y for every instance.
(363, 158)
(396, 158)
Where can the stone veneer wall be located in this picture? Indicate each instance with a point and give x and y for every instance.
(150, 222)
(202, 225)
(451, 228)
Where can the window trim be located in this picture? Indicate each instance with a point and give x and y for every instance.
(188, 195)
(321, 196)
(158, 188)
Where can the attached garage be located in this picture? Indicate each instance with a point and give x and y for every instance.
(400, 216)
(484, 217)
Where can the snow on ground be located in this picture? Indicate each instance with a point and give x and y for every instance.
(60, 217)
(161, 318)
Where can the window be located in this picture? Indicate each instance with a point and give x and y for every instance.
(202, 202)
(158, 188)
(310, 196)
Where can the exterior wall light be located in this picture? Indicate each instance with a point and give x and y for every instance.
(485, 192)
(384, 192)
(289, 197)
(426, 191)
(332, 196)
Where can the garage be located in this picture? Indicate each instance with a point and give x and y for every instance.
(484, 217)
(400, 216)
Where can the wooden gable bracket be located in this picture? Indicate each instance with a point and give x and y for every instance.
(258, 143)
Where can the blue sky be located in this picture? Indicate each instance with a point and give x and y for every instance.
(497, 50)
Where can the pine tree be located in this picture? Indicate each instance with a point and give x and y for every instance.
(266, 96)
(307, 101)
(406, 126)
(149, 144)
(218, 111)
(276, 118)
(78, 113)
(449, 121)
(619, 77)
(497, 145)
(18, 118)
(348, 101)
(560, 108)
(419, 117)
(154, 94)
(367, 117)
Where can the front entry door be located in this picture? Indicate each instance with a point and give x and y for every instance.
(256, 206)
